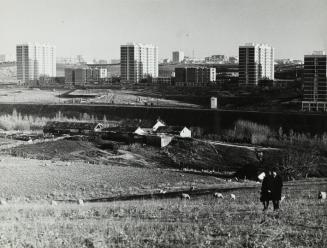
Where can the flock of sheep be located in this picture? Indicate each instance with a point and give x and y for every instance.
(321, 195)
(216, 195)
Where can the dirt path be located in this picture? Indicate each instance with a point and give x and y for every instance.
(251, 148)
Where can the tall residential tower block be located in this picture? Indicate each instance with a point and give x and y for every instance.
(178, 56)
(34, 61)
(315, 82)
(256, 62)
(138, 61)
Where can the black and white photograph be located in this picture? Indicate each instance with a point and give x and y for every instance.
(163, 123)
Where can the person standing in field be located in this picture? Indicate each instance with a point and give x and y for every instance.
(266, 190)
(276, 191)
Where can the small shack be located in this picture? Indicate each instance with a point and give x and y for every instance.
(61, 127)
(179, 131)
(143, 131)
(158, 140)
(122, 134)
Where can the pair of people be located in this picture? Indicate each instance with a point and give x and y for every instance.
(271, 189)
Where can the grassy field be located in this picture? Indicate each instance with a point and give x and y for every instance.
(28, 180)
(201, 222)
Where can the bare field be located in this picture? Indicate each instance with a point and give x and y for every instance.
(132, 97)
(23, 95)
(103, 96)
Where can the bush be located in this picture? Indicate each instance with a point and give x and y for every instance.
(249, 132)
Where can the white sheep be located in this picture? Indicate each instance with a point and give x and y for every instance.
(218, 195)
(186, 196)
(233, 197)
(322, 195)
(80, 202)
(162, 191)
(283, 198)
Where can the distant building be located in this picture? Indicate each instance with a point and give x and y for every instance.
(80, 76)
(165, 61)
(178, 56)
(138, 61)
(2, 58)
(282, 61)
(115, 61)
(99, 73)
(102, 61)
(6, 58)
(233, 60)
(194, 76)
(256, 62)
(215, 59)
(69, 75)
(315, 82)
(35, 60)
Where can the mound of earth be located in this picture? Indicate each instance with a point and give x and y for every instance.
(224, 158)
(60, 149)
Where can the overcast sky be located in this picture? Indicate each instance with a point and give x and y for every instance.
(97, 28)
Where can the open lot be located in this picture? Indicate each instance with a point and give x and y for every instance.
(23, 95)
(100, 96)
(201, 222)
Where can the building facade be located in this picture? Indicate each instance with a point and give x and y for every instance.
(34, 61)
(256, 62)
(215, 59)
(81, 76)
(178, 56)
(315, 82)
(138, 61)
(194, 76)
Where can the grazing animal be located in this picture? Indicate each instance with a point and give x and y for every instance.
(80, 202)
(192, 188)
(322, 195)
(162, 191)
(186, 196)
(54, 203)
(218, 195)
(233, 197)
(283, 198)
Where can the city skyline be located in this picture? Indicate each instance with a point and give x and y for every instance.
(289, 26)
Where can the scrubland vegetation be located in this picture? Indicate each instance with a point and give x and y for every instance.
(303, 154)
(16, 121)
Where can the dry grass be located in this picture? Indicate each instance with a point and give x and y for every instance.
(32, 180)
(16, 121)
(200, 222)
